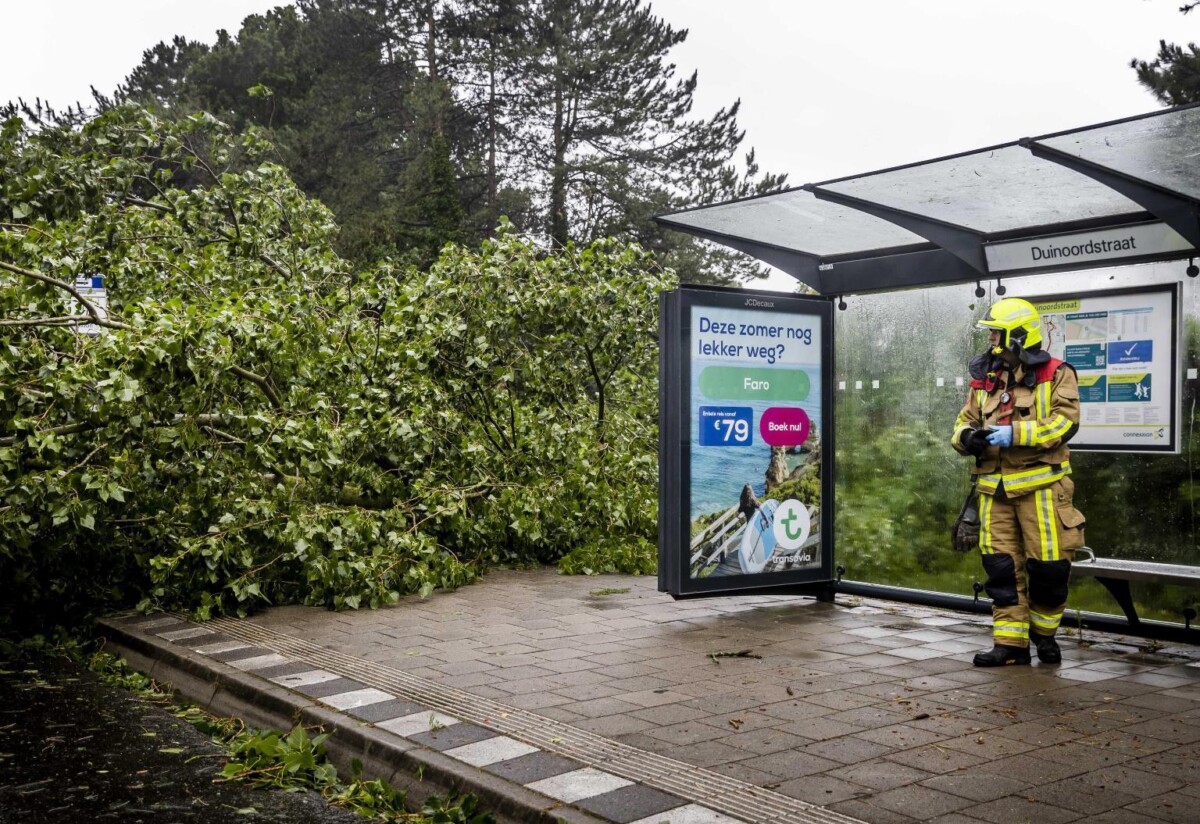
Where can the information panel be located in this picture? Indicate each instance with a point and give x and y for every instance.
(746, 423)
(91, 287)
(1124, 347)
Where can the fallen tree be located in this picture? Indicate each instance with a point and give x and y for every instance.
(251, 422)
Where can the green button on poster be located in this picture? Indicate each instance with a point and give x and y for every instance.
(749, 383)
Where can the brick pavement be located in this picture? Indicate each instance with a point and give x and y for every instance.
(866, 708)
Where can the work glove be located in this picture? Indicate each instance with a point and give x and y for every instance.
(964, 532)
(964, 536)
(975, 442)
(1000, 435)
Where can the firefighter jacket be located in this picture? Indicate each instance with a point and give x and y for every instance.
(1041, 401)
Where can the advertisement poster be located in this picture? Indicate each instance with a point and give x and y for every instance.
(1123, 345)
(753, 412)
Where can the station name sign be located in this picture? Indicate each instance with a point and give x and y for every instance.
(1143, 240)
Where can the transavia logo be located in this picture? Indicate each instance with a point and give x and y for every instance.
(792, 524)
(769, 304)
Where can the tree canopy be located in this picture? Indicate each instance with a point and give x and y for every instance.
(423, 121)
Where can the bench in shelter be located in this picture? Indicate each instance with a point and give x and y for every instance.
(1116, 573)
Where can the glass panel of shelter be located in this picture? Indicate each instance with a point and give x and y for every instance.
(1161, 149)
(900, 378)
(989, 191)
(797, 220)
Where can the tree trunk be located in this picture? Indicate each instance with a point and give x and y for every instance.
(432, 58)
(491, 160)
(559, 229)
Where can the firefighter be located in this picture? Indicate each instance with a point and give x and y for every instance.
(1021, 410)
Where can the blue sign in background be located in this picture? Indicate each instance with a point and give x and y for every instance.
(1085, 355)
(1094, 392)
(1131, 351)
(726, 426)
(1130, 392)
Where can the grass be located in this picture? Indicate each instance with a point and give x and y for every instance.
(293, 760)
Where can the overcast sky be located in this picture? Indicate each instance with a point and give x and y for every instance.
(828, 87)
(837, 88)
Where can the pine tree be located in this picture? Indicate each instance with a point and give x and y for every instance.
(491, 44)
(353, 101)
(424, 121)
(1173, 77)
(606, 128)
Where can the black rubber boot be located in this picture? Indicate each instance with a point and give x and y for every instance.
(1047, 648)
(999, 656)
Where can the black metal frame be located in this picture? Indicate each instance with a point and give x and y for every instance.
(802, 266)
(1100, 622)
(675, 392)
(1179, 212)
(965, 244)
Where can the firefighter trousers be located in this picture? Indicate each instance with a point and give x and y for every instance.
(1028, 543)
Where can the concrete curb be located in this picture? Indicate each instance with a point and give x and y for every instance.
(224, 690)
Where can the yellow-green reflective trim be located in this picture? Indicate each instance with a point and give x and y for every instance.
(1055, 428)
(1024, 433)
(1037, 470)
(1030, 484)
(1047, 529)
(1048, 622)
(985, 525)
(1024, 480)
(1034, 478)
(1010, 629)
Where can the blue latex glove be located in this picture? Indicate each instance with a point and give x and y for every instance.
(1000, 435)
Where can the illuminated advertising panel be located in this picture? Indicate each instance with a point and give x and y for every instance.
(746, 424)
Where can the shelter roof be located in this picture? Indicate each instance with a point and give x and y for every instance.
(1130, 187)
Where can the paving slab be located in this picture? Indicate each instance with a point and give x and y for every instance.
(553, 702)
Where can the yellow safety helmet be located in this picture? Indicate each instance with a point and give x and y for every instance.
(1017, 319)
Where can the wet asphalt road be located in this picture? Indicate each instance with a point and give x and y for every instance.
(72, 749)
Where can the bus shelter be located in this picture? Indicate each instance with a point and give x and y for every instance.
(1098, 226)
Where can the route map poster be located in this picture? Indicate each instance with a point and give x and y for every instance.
(753, 415)
(1124, 347)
